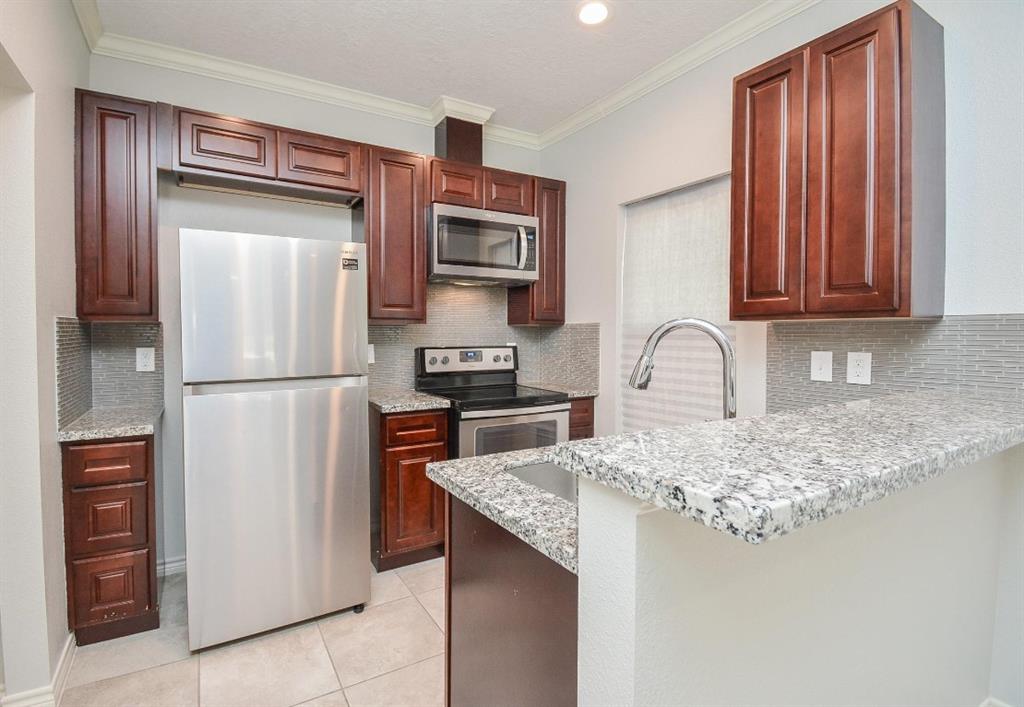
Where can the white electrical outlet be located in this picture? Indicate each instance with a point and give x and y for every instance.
(858, 368)
(821, 366)
(371, 355)
(145, 359)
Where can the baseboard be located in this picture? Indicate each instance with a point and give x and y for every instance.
(172, 565)
(48, 695)
(993, 702)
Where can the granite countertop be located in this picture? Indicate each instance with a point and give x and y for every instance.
(389, 399)
(111, 423)
(573, 390)
(761, 477)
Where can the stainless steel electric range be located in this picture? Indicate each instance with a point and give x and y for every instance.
(491, 412)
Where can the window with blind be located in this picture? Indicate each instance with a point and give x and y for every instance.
(675, 264)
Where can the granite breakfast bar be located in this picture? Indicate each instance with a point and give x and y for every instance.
(913, 580)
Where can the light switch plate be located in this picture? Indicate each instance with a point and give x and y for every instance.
(821, 366)
(145, 359)
(858, 368)
(370, 354)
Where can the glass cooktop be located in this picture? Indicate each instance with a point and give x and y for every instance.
(496, 397)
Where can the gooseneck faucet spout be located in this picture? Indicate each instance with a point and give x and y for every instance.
(641, 377)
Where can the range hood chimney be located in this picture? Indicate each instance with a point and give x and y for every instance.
(459, 129)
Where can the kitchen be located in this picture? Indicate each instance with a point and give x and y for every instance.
(601, 181)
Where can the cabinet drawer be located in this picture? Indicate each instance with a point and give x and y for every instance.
(581, 413)
(581, 432)
(108, 518)
(111, 587)
(226, 145)
(508, 191)
(319, 161)
(116, 462)
(459, 184)
(400, 430)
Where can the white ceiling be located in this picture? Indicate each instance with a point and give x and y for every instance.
(529, 59)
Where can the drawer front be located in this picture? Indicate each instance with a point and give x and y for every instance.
(581, 432)
(508, 191)
(117, 462)
(459, 184)
(416, 428)
(226, 145)
(581, 413)
(111, 587)
(108, 518)
(319, 161)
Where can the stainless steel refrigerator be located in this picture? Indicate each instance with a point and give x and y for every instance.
(274, 365)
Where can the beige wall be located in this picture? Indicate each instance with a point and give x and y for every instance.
(43, 39)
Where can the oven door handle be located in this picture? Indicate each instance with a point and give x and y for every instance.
(522, 246)
(513, 412)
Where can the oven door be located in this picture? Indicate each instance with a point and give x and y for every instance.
(491, 431)
(478, 245)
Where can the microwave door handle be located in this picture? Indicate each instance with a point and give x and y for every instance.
(522, 246)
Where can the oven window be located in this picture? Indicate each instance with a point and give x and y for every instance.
(462, 241)
(515, 436)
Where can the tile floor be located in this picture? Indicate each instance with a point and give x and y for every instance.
(392, 654)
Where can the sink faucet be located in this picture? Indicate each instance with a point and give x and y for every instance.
(642, 371)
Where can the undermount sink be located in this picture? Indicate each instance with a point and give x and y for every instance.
(550, 477)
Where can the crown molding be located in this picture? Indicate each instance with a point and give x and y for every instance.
(89, 20)
(448, 107)
(744, 27)
(759, 19)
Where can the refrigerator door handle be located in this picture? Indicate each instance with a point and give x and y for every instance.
(272, 385)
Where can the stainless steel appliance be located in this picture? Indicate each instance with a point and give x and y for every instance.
(482, 247)
(274, 365)
(490, 411)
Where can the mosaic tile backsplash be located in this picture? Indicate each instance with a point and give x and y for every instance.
(973, 354)
(96, 366)
(476, 316)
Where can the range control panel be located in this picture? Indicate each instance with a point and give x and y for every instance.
(468, 359)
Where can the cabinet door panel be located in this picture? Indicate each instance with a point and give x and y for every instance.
(853, 210)
(90, 464)
(508, 191)
(226, 145)
(543, 302)
(116, 193)
(396, 236)
(768, 189)
(319, 161)
(456, 183)
(108, 518)
(111, 587)
(415, 504)
(415, 428)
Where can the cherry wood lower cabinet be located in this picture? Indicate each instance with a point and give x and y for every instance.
(543, 302)
(110, 538)
(406, 508)
(581, 418)
(510, 618)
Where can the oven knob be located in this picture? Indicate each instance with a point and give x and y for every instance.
(433, 361)
(444, 361)
(508, 357)
(497, 358)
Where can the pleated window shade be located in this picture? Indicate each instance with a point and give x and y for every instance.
(675, 264)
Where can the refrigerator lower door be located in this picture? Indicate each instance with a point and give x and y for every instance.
(277, 513)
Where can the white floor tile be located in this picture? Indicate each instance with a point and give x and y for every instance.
(433, 602)
(419, 685)
(423, 576)
(385, 587)
(173, 685)
(120, 656)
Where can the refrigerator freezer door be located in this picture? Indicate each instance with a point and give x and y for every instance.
(260, 307)
(277, 515)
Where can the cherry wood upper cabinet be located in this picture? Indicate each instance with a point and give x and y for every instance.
(874, 189)
(456, 183)
(396, 236)
(116, 211)
(768, 188)
(319, 161)
(222, 144)
(508, 191)
(543, 302)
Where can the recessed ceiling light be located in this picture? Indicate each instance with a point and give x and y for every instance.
(592, 13)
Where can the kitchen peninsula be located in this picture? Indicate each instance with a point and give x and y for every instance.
(892, 601)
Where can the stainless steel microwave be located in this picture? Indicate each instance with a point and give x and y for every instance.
(476, 246)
